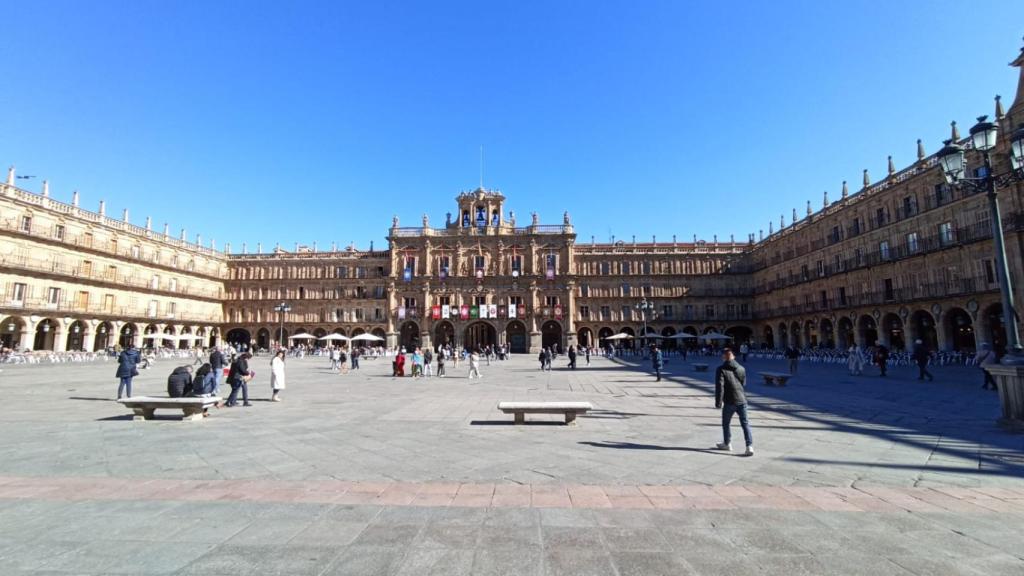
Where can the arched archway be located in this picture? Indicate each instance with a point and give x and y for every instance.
(46, 332)
(892, 327)
(630, 343)
(794, 335)
(379, 333)
(281, 336)
(11, 331)
(169, 343)
(739, 334)
(262, 339)
(444, 334)
(604, 333)
(868, 330)
(585, 337)
(828, 339)
(810, 335)
(76, 336)
(783, 335)
(959, 330)
(103, 336)
(127, 335)
(479, 334)
(240, 337)
(769, 337)
(922, 325)
(357, 332)
(667, 340)
(551, 335)
(845, 334)
(186, 340)
(994, 330)
(409, 336)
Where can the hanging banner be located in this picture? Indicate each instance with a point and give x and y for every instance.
(484, 310)
(511, 310)
(503, 311)
(443, 274)
(411, 312)
(435, 312)
(558, 312)
(401, 312)
(474, 312)
(551, 273)
(493, 312)
(446, 311)
(407, 274)
(522, 310)
(464, 312)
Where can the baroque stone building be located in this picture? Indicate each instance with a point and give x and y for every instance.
(905, 258)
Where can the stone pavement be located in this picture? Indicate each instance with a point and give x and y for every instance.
(365, 474)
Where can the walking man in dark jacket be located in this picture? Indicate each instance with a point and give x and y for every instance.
(217, 366)
(730, 397)
(657, 361)
(921, 357)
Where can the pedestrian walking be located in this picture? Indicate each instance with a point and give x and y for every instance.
(744, 350)
(335, 364)
(238, 377)
(854, 361)
(428, 358)
(987, 357)
(572, 357)
(793, 355)
(921, 357)
(474, 364)
(730, 397)
(277, 379)
(417, 363)
(881, 358)
(543, 358)
(586, 354)
(657, 360)
(127, 368)
(356, 354)
(217, 364)
(440, 362)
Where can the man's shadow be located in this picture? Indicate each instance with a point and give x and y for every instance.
(634, 446)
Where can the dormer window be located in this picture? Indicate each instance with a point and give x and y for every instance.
(481, 216)
(465, 218)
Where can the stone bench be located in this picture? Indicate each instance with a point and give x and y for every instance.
(700, 367)
(191, 408)
(520, 409)
(775, 378)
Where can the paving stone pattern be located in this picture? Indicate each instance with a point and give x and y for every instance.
(366, 474)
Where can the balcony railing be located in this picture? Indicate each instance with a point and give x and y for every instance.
(63, 307)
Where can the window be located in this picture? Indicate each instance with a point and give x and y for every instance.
(444, 264)
(883, 249)
(551, 261)
(688, 311)
(990, 273)
(86, 268)
(172, 308)
(824, 299)
(378, 291)
(551, 300)
(804, 273)
(113, 244)
(584, 311)
(627, 313)
(889, 293)
(361, 270)
(108, 302)
(744, 310)
(946, 236)
(879, 217)
(646, 267)
(856, 226)
(606, 313)
(174, 260)
(909, 206)
(842, 296)
(360, 314)
(858, 256)
(26, 224)
(173, 284)
(730, 310)
(58, 232)
(605, 268)
(625, 267)
(626, 291)
(835, 236)
(87, 239)
(821, 268)
(912, 243)
(409, 268)
(942, 194)
(112, 273)
(409, 302)
(668, 311)
(517, 264)
(479, 263)
(341, 272)
(136, 251)
(584, 290)
(153, 309)
(378, 314)
(18, 293)
(709, 310)
(191, 265)
(155, 282)
(53, 296)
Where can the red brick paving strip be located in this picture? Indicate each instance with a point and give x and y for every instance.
(983, 500)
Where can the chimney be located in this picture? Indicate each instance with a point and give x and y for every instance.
(103, 208)
(74, 198)
(124, 215)
(46, 188)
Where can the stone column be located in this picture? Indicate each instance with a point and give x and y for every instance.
(1010, 381)
(60, 340)
(392, 306)
(426, 322)
(568, 314)
(28, 334)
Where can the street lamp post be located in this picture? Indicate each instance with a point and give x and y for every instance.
(645, 308)
(281, 310)
(951, 159)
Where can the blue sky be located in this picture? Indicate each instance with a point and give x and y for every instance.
(316, 121)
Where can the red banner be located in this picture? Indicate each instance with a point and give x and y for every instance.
(464, 312)
(435, 312)
(558, 312)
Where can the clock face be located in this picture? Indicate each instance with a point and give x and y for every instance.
(515, 273)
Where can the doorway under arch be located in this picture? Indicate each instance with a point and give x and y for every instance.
(10, 332)
(924, 329)
(409, 336)
(959, 330)
(995, 332)
(551, 335)
(868, 330)
(769, 337)
(828, 339)
(479, 334)
(844, 333)
(515, 336)
(585, 337)
(76, 336)
(46, 332)
(444, 334)
(893, 328)
(240, 337)
(103, 337)
(127, 336)
(262, 339)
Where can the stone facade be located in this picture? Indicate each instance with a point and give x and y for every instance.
(908, 257)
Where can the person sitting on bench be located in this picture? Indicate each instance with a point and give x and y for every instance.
(179, 383)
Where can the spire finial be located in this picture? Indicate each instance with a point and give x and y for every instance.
(124, 215)
(793, 221)
(846, 190)
(167, 230)
(954, 132)
(808, 207)
(771, 230)
(920, 150)
(867, 178)
(46, 187)
(149, 223)
(782, 221)
(824, 202)
(10, 175)
(999, 107)
(74, 198)
(103, 208)
(892, 166)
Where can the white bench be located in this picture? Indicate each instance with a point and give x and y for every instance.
(775, 378)
(520, 409)
(191, 408)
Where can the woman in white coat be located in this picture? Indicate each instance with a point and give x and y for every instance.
(854, 361)
(277, 375)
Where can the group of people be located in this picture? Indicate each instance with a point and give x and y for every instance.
(423, 360)
(205, 381)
